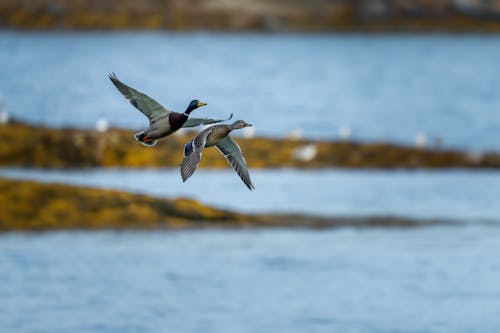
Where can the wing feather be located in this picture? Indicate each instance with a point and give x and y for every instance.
(192, 154)
(151, 108)
(193, 122)
(232, 152)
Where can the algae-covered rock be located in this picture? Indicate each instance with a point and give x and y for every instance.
(28, 205)
(68, 148)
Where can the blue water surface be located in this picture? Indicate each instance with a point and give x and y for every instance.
(378, 87)
(375, 280)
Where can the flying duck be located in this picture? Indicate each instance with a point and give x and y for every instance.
(162, 121)
(218, 136)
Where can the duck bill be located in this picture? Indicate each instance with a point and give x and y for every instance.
(201, 104)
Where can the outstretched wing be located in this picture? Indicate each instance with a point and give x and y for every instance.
(232, 152)
(151, 108)
(192, 154)
(193, 122)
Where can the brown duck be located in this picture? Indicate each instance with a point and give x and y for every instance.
(218, 136)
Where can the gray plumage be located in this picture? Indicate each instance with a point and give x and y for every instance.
(218, 136)
(162, 121)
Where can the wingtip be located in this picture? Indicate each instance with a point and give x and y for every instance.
(183, 177)
(112, 76)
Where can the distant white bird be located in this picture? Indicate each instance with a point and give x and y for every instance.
(474, 157)
(420, 140)
(295, 134)
(4, 115)
(344, 132)
(305, 153)
(101, 125)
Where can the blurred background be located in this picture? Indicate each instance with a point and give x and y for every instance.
(374, 153)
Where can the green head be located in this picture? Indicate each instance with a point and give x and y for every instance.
(194, 104)
(240, 124)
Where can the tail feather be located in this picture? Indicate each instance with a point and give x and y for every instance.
(144, 139)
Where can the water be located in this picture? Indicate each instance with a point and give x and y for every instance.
(432, 279)
(417, 280)
(384, 87)
(464, 195)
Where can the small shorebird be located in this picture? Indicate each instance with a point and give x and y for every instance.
(162, 121)
(218, 136)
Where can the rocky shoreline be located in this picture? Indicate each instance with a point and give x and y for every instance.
(33, 206)
(43, 147)
(258, 15)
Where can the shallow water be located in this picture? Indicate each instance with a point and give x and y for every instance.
(383, 87)
(410, 280)
(465, 195)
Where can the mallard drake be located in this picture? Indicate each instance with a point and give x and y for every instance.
(162, 121)
(218, 136)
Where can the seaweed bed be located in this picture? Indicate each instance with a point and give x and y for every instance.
(238, 15)
(36, 146)
(33, 206)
